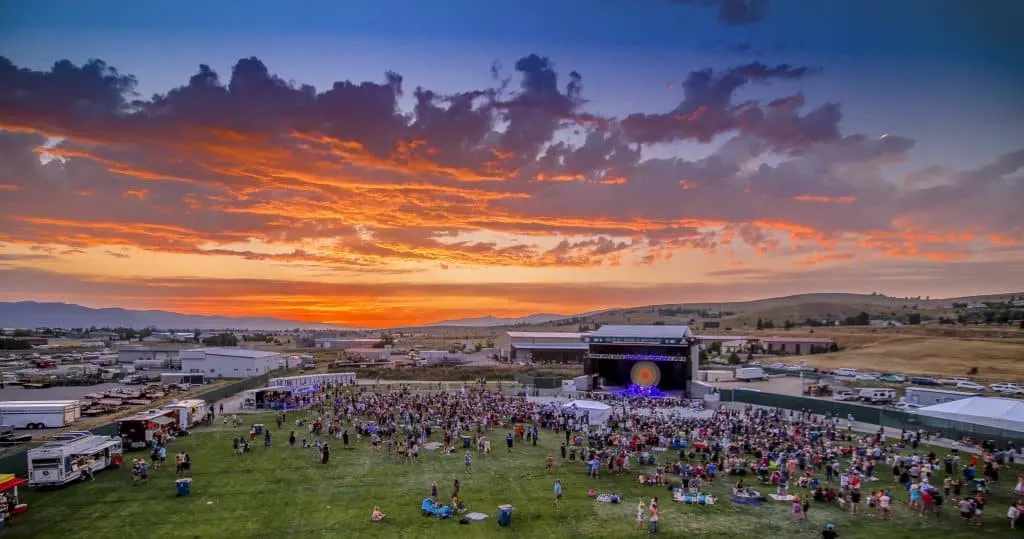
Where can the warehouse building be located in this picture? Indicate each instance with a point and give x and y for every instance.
(229, 362)
(168, 356)
(542, 346)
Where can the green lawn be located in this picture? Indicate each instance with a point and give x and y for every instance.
(283, 492)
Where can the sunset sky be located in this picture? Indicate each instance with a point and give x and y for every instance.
(397, 162)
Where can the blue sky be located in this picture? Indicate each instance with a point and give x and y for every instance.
(944, 72)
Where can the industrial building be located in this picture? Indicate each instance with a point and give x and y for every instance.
(794, 345)
(542, 346)
(229, 362)
(169, 356)
(926, 396)
(344, 343)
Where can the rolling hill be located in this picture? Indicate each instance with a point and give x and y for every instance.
(493, 321)
(31, 314)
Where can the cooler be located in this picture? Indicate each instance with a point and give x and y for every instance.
(504, 515)
(184, 486)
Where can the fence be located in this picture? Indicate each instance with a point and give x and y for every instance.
(16, 462)
(540, 382)
(956, 430)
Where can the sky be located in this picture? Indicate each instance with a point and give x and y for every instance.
(395, 162)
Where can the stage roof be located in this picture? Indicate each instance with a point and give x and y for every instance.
(553, 346)
(644, 332)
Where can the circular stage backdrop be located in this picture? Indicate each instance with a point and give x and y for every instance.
(645, 374)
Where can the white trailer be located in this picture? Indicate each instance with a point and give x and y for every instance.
(39, 414)
(750, 373)
(189, 412)
(71, 457)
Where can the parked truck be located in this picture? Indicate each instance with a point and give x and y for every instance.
(750, 373)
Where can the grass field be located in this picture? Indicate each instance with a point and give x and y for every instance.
(286, 492)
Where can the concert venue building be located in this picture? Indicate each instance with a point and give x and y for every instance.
(662, 357)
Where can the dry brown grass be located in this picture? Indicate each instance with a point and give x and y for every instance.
(996, 360)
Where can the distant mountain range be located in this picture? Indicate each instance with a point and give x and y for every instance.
(31, 314)
(493, 321)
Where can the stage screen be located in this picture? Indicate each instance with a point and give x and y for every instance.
(670, 375)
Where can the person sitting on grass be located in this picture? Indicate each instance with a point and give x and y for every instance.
(377, 515)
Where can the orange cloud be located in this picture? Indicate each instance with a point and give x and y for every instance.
(825, 199)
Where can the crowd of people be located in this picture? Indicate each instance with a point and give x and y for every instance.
(803, 458)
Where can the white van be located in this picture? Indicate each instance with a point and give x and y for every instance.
(850, 373)
(877, 395)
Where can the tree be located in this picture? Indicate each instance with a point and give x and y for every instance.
(702, 356)
(973, 371)
(734, 359)
(914, 319)
(385, 340)
(221, 339)
(788, 324)
(715, 347)
(195, 336)
(760, 323)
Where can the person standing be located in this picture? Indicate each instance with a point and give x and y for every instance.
(325, 454)
(469, 462)
(652, 525)
(558, 492)
(640, 510)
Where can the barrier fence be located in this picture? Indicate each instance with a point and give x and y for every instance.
(956, 430)
(17, 463)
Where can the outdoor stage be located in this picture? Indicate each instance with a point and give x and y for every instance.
(659, 357)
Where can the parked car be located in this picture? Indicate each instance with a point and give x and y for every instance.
(844, 395)
(1007, 388)
(924, 381)
(866, 377)
(894, 379)
(848, 373)
(904, 406)
(973, 386)
(952, 381)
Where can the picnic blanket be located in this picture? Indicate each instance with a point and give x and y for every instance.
(476, 516)
(745, 500)
(786, 498)
(432, 446)
(609, 498)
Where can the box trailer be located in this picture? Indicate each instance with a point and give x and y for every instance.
(39, 414)
(71, 457)
(877, 395)
(189, 412)
(183, 378)
(751, 373)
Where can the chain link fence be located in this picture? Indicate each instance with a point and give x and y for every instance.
(956, 430)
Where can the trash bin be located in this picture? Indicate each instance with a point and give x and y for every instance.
(504, 515)
(184, 486)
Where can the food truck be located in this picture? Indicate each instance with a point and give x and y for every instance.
(189, 412)
(70, 457)
(140, 429)
(9, 502)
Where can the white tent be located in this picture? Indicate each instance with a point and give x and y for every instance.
(992, 412)
(597, 412)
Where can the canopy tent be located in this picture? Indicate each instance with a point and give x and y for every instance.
(992, 412)
(597, 412)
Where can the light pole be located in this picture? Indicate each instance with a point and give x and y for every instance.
(803, 363)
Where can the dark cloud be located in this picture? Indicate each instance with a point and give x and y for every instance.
(345, 178)
(708, 110)
(734, 12)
